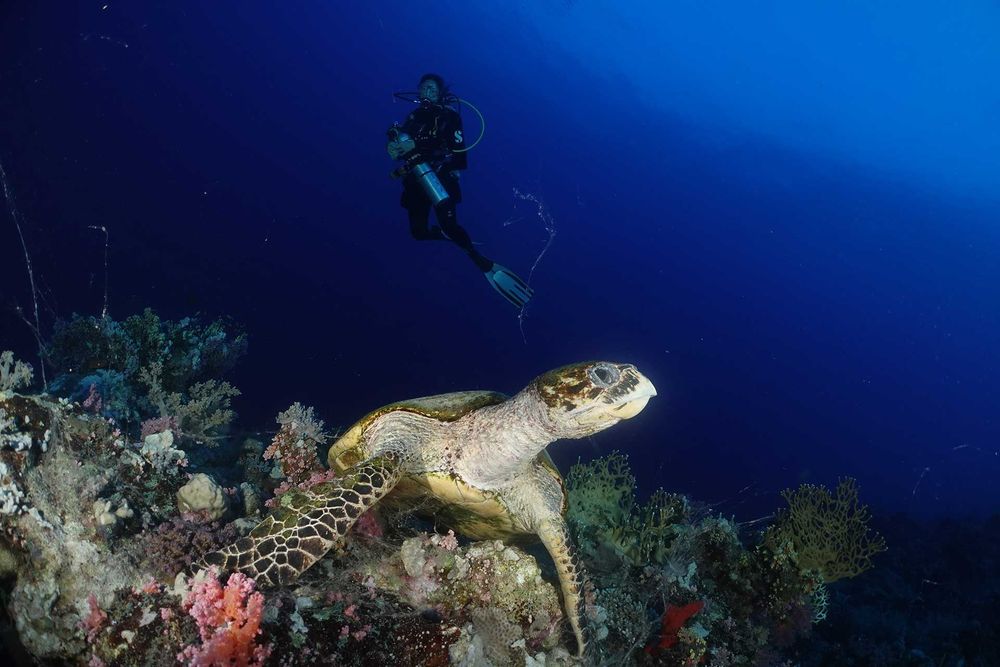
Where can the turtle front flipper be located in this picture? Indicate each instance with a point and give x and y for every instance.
(309, 523)
(556, 539)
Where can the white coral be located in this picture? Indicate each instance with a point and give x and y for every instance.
(13, 500)
(303, 422)
(10, 436)
(158, 449)
(13, 374)
(106, 516)
(11, 496)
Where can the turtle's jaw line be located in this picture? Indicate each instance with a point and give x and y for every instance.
(636, 400)
(631, 408)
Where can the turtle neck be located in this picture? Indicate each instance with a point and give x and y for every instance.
(495, 444)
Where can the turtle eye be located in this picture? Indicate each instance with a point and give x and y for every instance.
(604, 375)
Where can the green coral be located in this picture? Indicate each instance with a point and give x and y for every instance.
(604, 514)
(829, 534)
(147, 366)
(188, 350)
(202, 414)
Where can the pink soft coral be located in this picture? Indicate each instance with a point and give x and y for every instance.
(228, 621)
(94, 620)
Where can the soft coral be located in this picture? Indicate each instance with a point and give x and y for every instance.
(228, 621)
(674, 619)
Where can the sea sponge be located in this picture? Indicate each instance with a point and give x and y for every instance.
(203, 495)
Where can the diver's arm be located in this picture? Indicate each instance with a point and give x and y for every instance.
(411, 125)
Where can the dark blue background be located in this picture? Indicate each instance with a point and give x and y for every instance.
(812, 288)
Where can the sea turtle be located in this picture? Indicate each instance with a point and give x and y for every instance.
(476, 459)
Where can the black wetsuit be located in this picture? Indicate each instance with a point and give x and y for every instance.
(437, 132)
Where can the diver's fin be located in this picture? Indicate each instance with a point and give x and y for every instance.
(509, 285)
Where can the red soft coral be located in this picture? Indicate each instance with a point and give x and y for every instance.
(674, 619)
(228, 621)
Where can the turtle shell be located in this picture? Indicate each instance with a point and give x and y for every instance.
(345, 452)
(477, 513)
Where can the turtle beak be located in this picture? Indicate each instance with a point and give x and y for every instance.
(635, 400)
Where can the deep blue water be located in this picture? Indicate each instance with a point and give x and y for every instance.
(785, 216)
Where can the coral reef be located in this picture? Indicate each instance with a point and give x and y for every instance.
(63, 552)
(92, 538)
(90, 524)
(495, 593)
(144, 366)
(675, 586)
(100, 521)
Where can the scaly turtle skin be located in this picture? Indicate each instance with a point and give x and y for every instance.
(476, 460)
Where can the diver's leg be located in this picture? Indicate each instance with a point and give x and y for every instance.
(448, 219)
(502, 279)
(420, 213)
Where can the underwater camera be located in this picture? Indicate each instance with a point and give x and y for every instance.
(400, 143)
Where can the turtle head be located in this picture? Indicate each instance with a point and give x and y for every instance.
(582, 399)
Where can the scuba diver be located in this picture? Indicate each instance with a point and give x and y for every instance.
(431, 145)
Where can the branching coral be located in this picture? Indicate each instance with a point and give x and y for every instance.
(603, 512)
(830, 535)
(188, 350)
(295, 444)
(602, 491)
(14, 374)
(180, 541)
(114, 360)
(202, 414)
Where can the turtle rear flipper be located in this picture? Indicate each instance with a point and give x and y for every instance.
(291, 539)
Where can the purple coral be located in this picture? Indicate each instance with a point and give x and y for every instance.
(178, 542)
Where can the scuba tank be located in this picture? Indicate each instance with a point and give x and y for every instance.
(429, 181)
(422, 171)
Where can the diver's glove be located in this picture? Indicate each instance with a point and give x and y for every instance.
(509, 285)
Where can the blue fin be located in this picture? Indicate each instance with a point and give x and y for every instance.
(510, 286)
